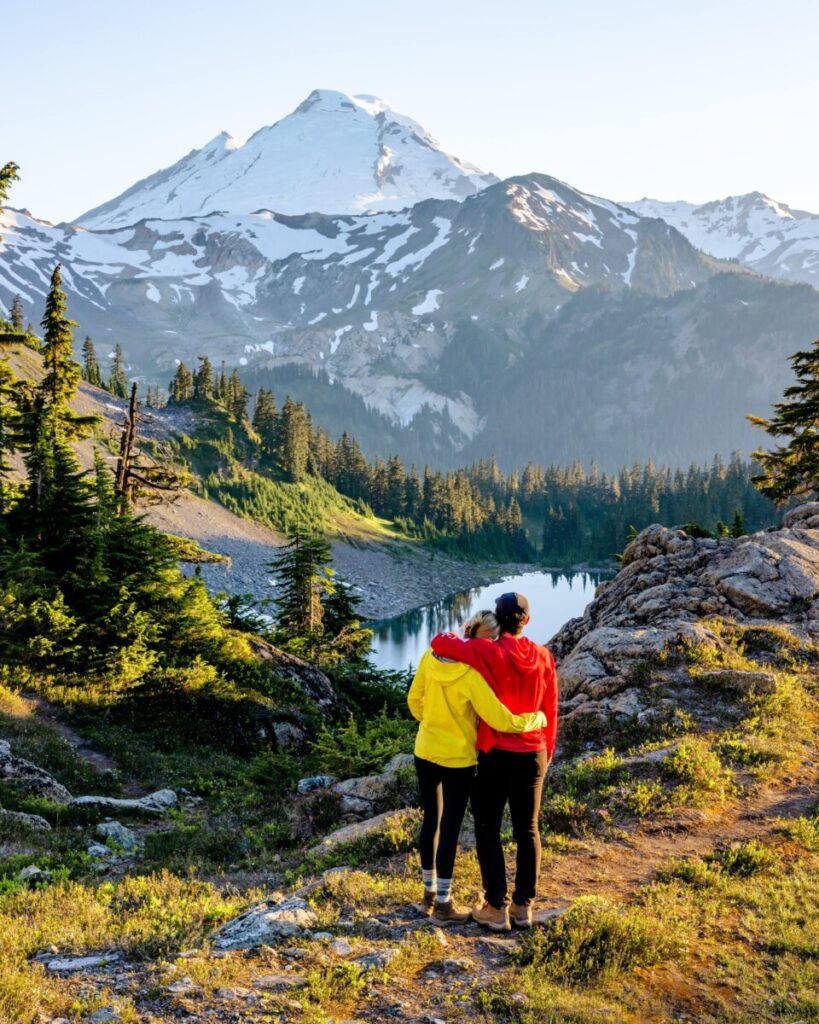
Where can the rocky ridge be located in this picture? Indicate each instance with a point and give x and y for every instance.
(669, 585)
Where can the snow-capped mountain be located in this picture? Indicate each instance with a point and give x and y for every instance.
(372, 299)
(334, 154)
(753, 229)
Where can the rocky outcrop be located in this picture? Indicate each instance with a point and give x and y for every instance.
(266, 923)
(154, 803)
(29, 779)
(368, 795)
(668, 584)
(311, 680)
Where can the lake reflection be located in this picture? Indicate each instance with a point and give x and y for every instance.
(554, 598)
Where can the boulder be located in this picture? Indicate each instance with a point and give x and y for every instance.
(311, 680)
(314, 782)
(358, 830)
(265, 924)
(155, 803)
(78, 964)
(32, 821)
(31, 873)
(123, 837)
(29, 779)
(399, 763)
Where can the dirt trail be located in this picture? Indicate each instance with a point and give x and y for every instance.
(45, 712)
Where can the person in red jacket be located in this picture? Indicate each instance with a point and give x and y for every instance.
(511, 769)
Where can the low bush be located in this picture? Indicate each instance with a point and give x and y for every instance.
(352, 749)
(595, 940)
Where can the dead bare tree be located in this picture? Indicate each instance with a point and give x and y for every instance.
(139, 479)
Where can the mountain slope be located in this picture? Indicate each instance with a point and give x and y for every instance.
(334, 154)
(753, 229)
(373, 300)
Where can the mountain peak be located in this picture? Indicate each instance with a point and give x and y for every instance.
(334, 154)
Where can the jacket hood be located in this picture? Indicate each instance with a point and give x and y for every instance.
(522, 652)
(445, 673)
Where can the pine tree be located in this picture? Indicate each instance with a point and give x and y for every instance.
(118, 381)
(203, 380)
(303, 578)
(181, 387)
(265, 422)
(293, 440)
(91, 368)
(235, 397)
(17, 315)
(793, 470)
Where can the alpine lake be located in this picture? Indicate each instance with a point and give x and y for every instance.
(554, 598)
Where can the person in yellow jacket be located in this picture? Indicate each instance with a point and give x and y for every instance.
(447, 698)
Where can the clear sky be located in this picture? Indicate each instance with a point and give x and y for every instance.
(696, 100)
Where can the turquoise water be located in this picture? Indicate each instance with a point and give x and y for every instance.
(554, 598)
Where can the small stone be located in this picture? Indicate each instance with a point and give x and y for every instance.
(376, 961)
(183, 987)
(341, 947)
(314, 782)
(322, 936)
(72, 964)
(492, 944)
(279, 982)
(99, 850)
(107, 1015)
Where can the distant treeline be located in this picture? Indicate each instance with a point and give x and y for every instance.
(559, 515)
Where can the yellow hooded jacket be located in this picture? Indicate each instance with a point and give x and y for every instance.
(447, 698)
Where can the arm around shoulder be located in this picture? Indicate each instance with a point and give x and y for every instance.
(497, 715)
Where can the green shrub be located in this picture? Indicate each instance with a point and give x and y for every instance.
(596, 939)
(742, 860)
(696, 771)
(351, 750)
(642, 798)
(560, 812)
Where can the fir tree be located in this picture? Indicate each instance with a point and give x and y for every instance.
(181, 387)
(792, 470)
(293, 440)
(265, 422)
(118, 381)
(303, 578)
(17, 315)
(91, 368)
(8, 431)
(203, 380)
(8, 174)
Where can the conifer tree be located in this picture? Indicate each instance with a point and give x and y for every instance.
(118, 381)
(265, 422)
(303, 578)
(91, 368)
(8, 431)
(181, 387)
(203, 380)
(293, 440)
(792, 470)
(235, 397)
(17, 315)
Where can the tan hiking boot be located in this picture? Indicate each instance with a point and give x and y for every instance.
(426, 905)
(521, 917)
(447, 913)
(492, 918)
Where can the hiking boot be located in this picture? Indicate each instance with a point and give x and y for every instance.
(447, 913)
(426, 905)
(521, 916)
(496, 920)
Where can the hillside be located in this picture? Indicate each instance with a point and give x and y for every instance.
(680, 822)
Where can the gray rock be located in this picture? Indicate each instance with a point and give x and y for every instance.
(31, 873)
(183, 987)
(377, 961)
(341, 947)
(315, 782)
(372, 789)
(107, 1015)
(29, 821)
(495, 944)
(100, 850)
(28, 778)
(265, 924)
(357, 830)
(119, 834)
(76, 964)
(401, 762)
(279, 982)
(155, 803)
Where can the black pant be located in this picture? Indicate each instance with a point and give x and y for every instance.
(517, 778)
(444, 796)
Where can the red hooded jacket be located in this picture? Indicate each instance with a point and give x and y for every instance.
(523, 677)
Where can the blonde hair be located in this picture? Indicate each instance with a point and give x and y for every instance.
(484, 618)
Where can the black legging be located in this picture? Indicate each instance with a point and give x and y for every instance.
(506, 776)
(444, 796)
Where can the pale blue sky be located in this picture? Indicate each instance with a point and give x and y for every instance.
(695, 100)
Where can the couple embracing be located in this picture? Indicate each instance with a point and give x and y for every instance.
(487, 704)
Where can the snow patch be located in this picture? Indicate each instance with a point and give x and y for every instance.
(429, 304)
